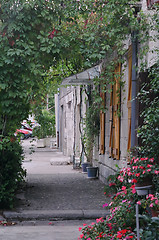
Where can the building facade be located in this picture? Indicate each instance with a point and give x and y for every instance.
(120, 120)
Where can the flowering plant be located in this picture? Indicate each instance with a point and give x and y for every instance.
(151, 201)
(139, 169)
(121, 223)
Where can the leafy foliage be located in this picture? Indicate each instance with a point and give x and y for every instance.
(149, 95)
(90, 124)
(47, 125)
(11, 172)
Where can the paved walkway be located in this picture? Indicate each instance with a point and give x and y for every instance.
(54, 192)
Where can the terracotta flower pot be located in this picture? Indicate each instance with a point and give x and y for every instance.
(154, 213)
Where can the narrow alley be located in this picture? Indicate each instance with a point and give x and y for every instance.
(56, 199)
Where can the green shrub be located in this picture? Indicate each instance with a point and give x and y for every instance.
(11, 172)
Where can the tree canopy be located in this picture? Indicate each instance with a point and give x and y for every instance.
(38, 34)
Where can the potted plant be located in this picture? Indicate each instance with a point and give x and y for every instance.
(91, 128)
(151, 202)
(142, 171)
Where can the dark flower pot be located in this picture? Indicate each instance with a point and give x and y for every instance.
(145, 187)
(93, 172)
(143, 190)
(84, 167)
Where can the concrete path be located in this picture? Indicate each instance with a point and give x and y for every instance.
(54, 192)
(65, 230)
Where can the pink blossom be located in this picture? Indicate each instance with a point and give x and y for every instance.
(123, 188)
(139, 203)
(143, 172)
(124, 200)
(99, 220)
(111, 184)
(151, 159)
(150, 196)
(135, 167)
(82, 235)
(151, 205)
(156, 202)
(80, 229)
(133, 190)
(156, 172)
(136, 160)
(149, 165)
(105, 205)
(120, 179)
(118, 193)
(149, 170)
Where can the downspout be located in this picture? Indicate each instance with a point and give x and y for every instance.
(74, 143)
(58, 119)
(134, 91)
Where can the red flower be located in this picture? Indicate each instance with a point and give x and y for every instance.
(111, 184)
(143, 159)
(52, 34)
(141, 167)
(134, 181)
(124, 231)
(100, 234)
(86, 22)
(137, 174)
(119, 235)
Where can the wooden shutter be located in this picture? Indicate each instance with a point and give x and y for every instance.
(102, 126)
(114, 141)
(129, 96)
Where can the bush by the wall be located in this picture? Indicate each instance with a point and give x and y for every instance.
(11, 172)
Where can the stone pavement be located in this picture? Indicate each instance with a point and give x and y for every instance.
(61, 230)
(54, 192)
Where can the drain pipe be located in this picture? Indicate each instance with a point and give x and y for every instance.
(58, 119)
(134, 91)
